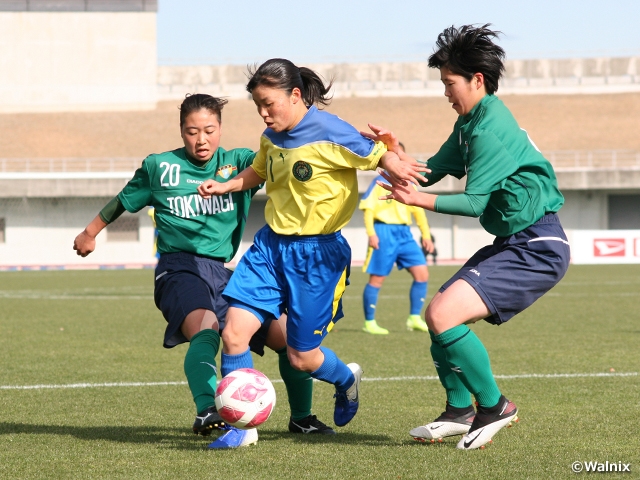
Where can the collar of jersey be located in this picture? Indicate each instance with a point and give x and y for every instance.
(306, 131)
(484, 101)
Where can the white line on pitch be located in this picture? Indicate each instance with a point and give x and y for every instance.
(372, 379)
(35, 296)
(90, 385)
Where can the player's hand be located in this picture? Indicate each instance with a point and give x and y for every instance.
(399, 190)
(427, 244)
(374, 242)
(210, 188)
(381, 134)
(84, 244)
(406, 170)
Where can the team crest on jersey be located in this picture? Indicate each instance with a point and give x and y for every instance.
(302, 171)
(225, 171)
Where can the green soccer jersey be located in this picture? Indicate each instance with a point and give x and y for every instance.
(185, 221)
(501, 162)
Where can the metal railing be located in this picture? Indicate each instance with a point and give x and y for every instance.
(588, 159)
(63, 165)
(560, 159)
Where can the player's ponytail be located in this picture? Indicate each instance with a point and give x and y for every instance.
(284, 75)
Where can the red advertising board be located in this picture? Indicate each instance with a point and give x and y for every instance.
(609, 247)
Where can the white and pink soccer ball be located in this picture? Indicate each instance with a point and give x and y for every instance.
(245, 398)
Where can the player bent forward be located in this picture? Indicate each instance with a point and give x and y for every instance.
(514, 191)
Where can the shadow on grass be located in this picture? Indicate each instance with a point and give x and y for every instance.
(340, 438)
(178, 438)
(173, 437)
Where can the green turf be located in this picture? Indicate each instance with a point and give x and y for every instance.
(63, 328)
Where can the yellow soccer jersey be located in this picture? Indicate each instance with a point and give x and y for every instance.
(389, 211)
(310, 173)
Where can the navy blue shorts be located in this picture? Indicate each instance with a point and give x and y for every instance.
(515, 271)
(186, 282)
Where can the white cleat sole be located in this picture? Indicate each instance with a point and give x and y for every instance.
(438, 430)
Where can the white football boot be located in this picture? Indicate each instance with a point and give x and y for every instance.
(487, 423)
(448, 424)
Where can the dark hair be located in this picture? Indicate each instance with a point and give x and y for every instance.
(468, 50)
(198, 101)
(402, 146)
(284, 75)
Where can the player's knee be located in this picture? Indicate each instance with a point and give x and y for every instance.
(232, 340)
(304, 361)
(298, 363)
(435, 318)
(421, 276)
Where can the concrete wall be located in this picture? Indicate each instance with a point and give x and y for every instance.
(77, 61)
(543, 76)
(43, 215)
(41, 231)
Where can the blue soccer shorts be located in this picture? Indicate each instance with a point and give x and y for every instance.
(396, 245)
(302, 275)
(515, 271)
(186, 282)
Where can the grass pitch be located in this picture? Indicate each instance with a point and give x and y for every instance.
(87, 391)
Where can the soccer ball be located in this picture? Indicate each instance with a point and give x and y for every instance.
(245, 398)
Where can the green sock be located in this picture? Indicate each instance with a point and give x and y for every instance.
(469, 359)
(200, 368)
(457, 394)
(299, 387)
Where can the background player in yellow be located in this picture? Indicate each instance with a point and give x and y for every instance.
(390, 241)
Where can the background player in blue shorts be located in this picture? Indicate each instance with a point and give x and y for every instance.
(300, 261)
(514, 191)
(390, 241)
(195, 239)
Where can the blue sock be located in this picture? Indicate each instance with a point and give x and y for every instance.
(370, 300)
(417, 295)
(229, 363)
(333, 370)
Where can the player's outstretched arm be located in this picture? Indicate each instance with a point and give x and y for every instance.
(245, 180)
(404, 192)
(85, 242)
